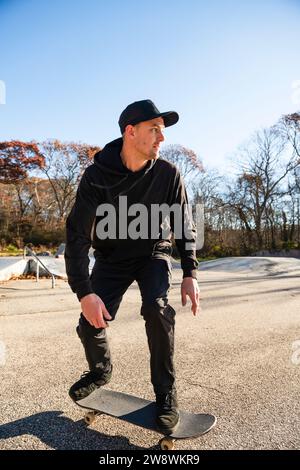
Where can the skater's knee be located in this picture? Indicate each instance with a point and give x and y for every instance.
(85, 330)
(158, 309)
(153, 306)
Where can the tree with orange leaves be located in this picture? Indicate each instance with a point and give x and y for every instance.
(17, 158)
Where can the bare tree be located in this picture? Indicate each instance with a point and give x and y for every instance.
(289, 129)
(64, 165)
(263, 169)
(207, 191)
(186, 160)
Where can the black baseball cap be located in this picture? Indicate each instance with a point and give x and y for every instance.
(144, 111)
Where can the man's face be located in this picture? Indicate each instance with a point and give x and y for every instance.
(147, 137)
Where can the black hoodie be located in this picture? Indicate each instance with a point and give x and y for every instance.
(103, 182)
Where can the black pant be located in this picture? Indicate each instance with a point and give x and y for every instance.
(110, 281)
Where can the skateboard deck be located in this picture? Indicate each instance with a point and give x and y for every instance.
(141, 412)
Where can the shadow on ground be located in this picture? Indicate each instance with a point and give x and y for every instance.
(61, 433)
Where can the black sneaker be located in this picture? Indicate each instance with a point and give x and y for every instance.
(88, 382)
(167, 415)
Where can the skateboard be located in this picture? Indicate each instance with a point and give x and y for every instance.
(141, 412)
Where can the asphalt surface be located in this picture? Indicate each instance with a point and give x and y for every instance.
(239, 359)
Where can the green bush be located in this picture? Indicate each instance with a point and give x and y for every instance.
(216, 251)
(12, 249)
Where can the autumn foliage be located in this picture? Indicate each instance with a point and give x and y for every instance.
(17, 158)
(254, 207)
(38, 183)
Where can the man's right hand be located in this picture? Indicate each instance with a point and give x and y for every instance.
(94, 311)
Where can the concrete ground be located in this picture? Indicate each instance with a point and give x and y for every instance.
(239, 359)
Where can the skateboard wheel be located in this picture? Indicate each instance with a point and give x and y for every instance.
(167, 444)
(90, 417)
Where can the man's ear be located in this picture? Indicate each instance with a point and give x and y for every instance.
(129, 131)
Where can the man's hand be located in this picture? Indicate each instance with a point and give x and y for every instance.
(189, 286)
(95, 311)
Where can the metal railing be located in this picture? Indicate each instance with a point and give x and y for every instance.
(39, 262)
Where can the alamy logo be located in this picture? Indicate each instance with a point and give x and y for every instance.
(2, 92)
(138, 221)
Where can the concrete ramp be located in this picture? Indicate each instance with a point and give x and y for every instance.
(55, 265)
(254, 265)
(11, 266)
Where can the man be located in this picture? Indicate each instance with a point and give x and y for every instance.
(128, 170)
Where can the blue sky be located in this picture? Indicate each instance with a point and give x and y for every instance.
(71, 67)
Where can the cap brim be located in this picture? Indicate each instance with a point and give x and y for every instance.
(170, 118)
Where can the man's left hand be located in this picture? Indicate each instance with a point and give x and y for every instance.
(189, 286)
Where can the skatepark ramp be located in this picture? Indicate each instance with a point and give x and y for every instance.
(11, 266)
(39, 263)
